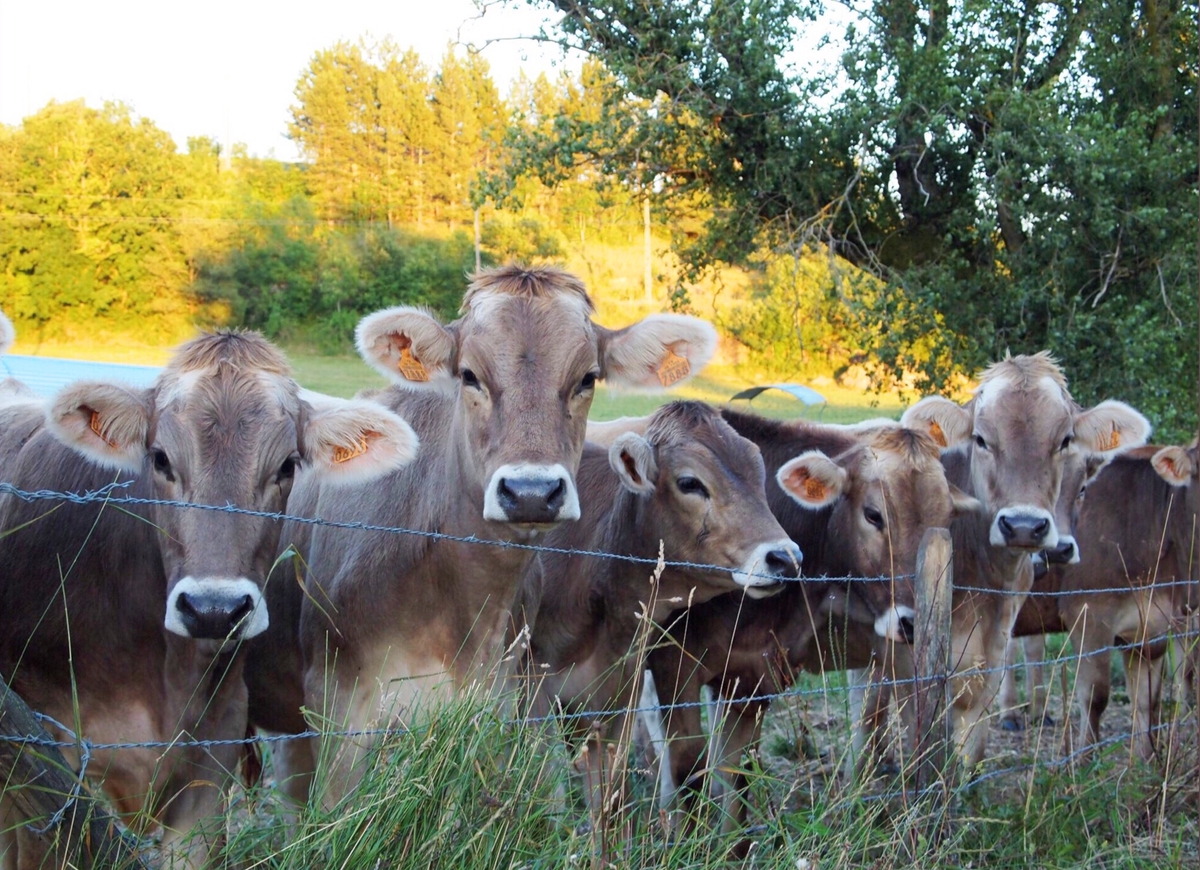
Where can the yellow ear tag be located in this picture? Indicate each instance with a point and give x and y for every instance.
(411, 367)
(814, 489)
(95, 427)
(936, 433)
(345, 454)
(674, 368)
(1112, 442)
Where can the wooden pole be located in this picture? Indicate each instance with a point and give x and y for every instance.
(933, 757)
(648, 277)
(46, 792)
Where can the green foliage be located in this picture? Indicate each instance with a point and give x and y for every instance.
(511, 237)
(1017, 176)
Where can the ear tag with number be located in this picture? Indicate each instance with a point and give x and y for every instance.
(411, 367)
(673, 369)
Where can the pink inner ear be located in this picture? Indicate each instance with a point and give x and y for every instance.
(631, 467)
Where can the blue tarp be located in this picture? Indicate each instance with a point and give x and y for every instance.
(46, 375)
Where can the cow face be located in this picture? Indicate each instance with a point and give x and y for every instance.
(522, 363)
(1019, 430)
(883, 495)
(225, 424)
(706, 500)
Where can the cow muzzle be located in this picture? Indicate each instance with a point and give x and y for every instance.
(897, 624)
(1024, 528)
(531, 495)
(212, 608)
(1066, 553)
(769, 566)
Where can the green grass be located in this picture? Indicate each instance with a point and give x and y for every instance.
(346, 375)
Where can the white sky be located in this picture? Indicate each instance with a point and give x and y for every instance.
(224, 68)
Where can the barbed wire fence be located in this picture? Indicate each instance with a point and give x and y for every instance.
(111, 494)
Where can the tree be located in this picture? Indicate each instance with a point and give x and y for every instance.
(1020, 175)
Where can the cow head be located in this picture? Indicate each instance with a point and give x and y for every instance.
(225, 424)
(522, 362)
(1018, 431)
(706, 500)
(883, 494)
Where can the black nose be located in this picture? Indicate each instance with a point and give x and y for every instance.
(211, 616)
(1041, 567)
(783, 562)
(1063, 553)
(531, 499)
(907, 629)
(1026, 532)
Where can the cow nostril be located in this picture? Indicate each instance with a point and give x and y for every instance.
(184, 605)
(557, 496)
(907, 629)
(1041, 529)
(245, 606)
(1006, 527)
(781, 563)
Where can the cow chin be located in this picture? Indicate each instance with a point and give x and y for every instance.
(216, 608)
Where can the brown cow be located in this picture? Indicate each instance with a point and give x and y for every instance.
(1079, 471)
(691, 485)
(128, 620)
(1137, 530)
(500, 400)
(857, 500)
(1007, 447)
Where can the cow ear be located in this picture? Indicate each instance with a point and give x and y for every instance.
(813, 480)
(657, 352)
(354, 440)
(1110, 427)
(945, 422)
(1174, 465)
(408, 346)
(7, 334)
(606, 432)
(632, 458)
(107, 423)
(962, 504)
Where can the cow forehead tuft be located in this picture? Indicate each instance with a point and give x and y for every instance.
(528, 282)
(244, 350)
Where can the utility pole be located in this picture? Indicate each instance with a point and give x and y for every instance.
(649, 278)
(478, 260)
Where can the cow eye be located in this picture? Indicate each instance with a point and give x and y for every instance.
(162, 464)
(288, 470)
(980, 442)
(469, 379)
(588, 382)
(691, 486)
(874, 517)
(1065, 444)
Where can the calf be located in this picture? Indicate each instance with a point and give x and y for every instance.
(500, 400)
(691, 486)
(1137, 530)
(127, 621)
(1007, 447)
(858, 501)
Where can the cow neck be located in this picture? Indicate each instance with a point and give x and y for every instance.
(200, 678)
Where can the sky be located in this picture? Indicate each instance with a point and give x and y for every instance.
(227, 69)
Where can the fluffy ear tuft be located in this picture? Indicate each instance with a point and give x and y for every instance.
(7, 334)
(658, 352)
(1111, 427)
(107, 423)
(813, 480)
(407, 346)
(945, 422)
(354, 440)
(632, 458)
(1174, 465)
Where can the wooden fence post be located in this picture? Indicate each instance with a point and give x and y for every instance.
(933, 755)
(41, 785)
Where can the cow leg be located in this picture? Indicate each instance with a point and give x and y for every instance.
(737, 728)
(295, 763)
(1092, 684)
(1143, 673)
(1011, 716)
(650, 717)
(1036, 690)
